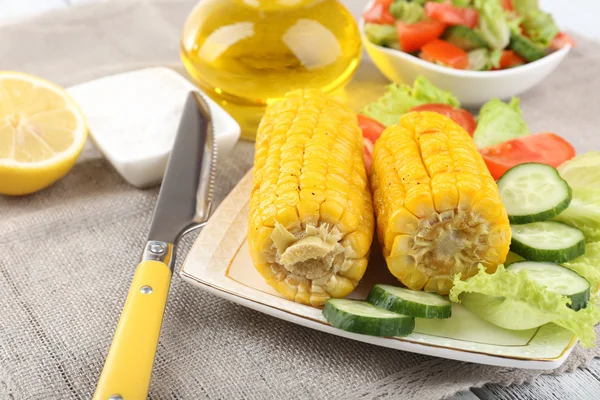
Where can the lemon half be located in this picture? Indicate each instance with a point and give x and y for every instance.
(42, 132)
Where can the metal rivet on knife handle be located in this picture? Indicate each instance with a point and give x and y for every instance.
(157, 248)
(146, 289)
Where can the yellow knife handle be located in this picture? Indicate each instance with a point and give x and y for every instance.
(128, 366)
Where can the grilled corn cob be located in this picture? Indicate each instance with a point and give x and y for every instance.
(311, 216)
(438, 209)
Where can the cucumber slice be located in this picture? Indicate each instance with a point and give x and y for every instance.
(381, 35)
(410, 302)
(547, 241)
(558, 280)
(463, 37)
(524, 47)
(362, 317)
(533, 192)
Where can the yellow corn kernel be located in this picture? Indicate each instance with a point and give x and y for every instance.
(354, 268)
(438, 209)
(311, 216)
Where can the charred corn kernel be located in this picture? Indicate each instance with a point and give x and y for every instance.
(311, 214)
(438, 209)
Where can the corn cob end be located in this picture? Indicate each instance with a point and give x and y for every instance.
(311, 216)
(439, 211)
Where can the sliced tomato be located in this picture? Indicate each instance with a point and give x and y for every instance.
(379, 13)
(510, 59)
(561, 40)
(371, 128)
(368, 155)
(507, 5)
(546, 148)
(413, 36)
(448, 14)
(458, 115)
(440, 51)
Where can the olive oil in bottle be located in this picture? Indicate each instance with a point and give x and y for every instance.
(247, 53)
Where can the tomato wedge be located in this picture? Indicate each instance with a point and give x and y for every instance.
(379, 13)
(507, 5)
(450, 15)
(510, 59)
(414, 36)
(440, 51)
(368, 155)
(458, 115)
(561, 40)
(371, 128)
(546, 148)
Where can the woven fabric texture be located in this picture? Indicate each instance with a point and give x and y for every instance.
(68, 253)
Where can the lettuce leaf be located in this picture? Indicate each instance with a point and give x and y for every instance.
(398, 99)
(484, 59)
(524, 6)
(458, 3)
(493, 25)
(540, 27)
(583, 212)
(582, 171)
(514, 21)
(498, 122)
(407, 12)
(427, 92)
(512, 301)
(588, 265)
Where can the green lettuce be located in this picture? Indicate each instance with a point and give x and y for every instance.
(398, 99)
(588, 265)
(458, 3)
(498, 122)
(407, 12)
(583, 212)
(484, 59)
(514, 21)
(427, 92)
(493, 24)
(512, 301)
(540, 27)
(522, 7)
(582, 171)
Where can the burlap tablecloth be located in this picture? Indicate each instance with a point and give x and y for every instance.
(68, 253)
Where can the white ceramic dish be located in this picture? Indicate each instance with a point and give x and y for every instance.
(473, 88)
(134, 116)
(220, 263)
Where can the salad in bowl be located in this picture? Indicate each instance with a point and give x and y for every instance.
(474, 35)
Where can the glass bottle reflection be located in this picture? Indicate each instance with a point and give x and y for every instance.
(247, 53)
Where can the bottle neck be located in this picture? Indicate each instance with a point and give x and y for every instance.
(278, 5)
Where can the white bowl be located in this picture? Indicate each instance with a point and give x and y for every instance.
(473, 88)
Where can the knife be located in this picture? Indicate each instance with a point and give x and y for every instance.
(184, 204)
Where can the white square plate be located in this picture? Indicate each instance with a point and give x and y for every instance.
(220, 263)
